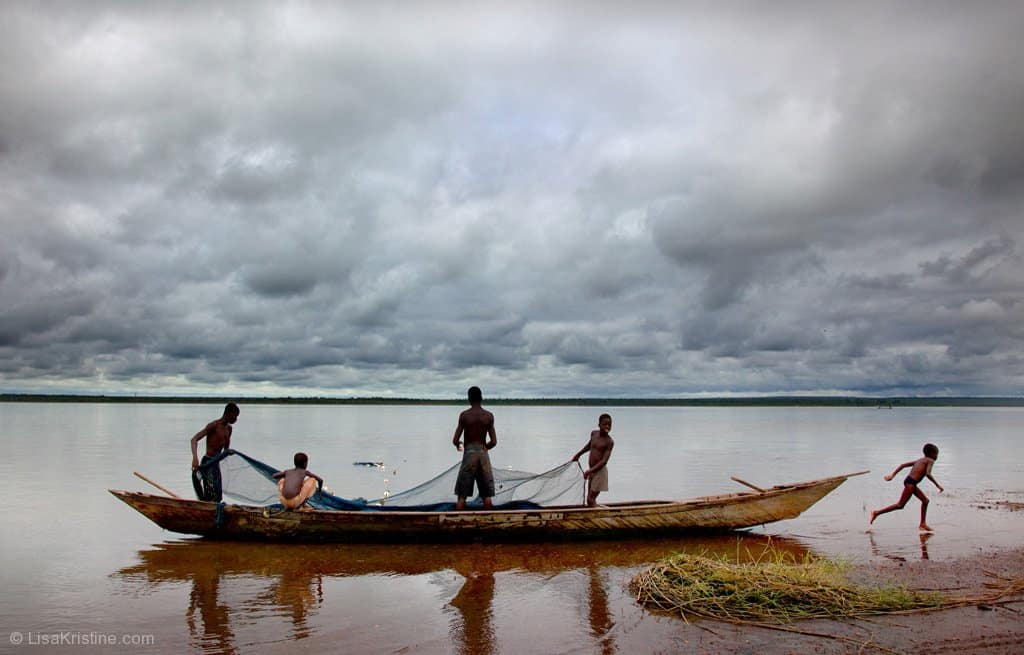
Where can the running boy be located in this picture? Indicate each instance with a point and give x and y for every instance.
(600, 447)
(919, 470)
(296, 485)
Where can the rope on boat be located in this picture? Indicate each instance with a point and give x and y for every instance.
(219, 517)
(580, 467)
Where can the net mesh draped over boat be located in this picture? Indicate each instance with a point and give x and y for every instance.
(250, 481)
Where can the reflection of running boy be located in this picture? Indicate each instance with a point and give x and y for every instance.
(600, 447)
(919, 470)
(296, 485)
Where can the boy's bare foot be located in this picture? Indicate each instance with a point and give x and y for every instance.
(874, 515)
(925, 528)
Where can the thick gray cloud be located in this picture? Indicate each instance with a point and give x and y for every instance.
(579, 199)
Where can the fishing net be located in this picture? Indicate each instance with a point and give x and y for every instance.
(250, 481)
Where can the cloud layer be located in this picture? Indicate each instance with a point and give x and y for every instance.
(569, 200)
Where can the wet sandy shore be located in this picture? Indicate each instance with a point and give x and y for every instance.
(989, 629)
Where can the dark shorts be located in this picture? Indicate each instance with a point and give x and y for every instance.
(910, 480)
(476, 467)
(207, 481)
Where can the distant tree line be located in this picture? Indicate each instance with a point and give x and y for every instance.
(753, 401)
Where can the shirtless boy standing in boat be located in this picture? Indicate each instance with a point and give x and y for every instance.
(600, 447)
(920, 469)
(475, 423)
(218, 438)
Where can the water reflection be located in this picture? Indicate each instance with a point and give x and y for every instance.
(297, 596)
(601, 622)
(235, 586)
(473, 631)
(894, 555)
(214, 634)
(924, 537)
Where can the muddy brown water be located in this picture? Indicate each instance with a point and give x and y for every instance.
(82, 572)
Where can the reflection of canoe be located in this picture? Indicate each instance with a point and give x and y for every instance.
(616, 520)
(249, 592)
(178, 561)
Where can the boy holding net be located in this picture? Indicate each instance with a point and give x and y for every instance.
(600, 446)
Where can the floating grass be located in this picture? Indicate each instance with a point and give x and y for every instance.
(776, 587)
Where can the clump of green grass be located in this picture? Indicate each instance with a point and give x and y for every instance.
(775, 587)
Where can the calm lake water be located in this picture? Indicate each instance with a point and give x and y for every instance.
(85, 573)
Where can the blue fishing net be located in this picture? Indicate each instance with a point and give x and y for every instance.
(250, 481)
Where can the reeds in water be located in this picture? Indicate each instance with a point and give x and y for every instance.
(775, 587)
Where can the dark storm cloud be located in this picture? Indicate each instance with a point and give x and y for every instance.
(1003, 173)
(283, 282)
(891, 282)
(975, 264)
(582, 199)
(32, 321)
(254, 182)
(733, 250)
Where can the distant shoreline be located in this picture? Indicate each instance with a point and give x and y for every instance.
(882, 402)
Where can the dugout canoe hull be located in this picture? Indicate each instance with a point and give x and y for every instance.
(725, 512)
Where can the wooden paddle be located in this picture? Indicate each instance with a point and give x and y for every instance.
(760, 490)
(752, 486)
(166, 491)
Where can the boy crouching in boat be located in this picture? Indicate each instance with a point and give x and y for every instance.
(920, 469)
(600, 447)
(295, 486)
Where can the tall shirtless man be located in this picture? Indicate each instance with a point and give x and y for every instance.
(217, 433)
(475, 423)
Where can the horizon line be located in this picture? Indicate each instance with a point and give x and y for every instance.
(782, 399)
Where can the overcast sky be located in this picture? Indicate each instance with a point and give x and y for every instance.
(545, 199)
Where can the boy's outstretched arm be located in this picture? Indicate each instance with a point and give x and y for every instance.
(928, 474)
(576, 457)
(319, 480)
(195, 443)
(898, 469)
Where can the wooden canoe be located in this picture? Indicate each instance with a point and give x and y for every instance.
(725, 512)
